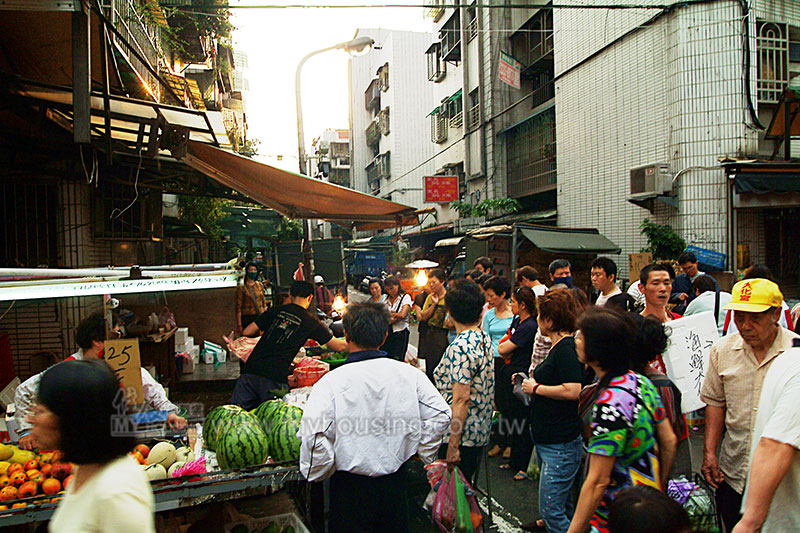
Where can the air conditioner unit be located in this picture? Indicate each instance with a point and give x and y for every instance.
(649, 181)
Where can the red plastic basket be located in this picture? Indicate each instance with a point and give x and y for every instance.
(307, 376)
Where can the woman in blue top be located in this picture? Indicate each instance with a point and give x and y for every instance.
(496, 322)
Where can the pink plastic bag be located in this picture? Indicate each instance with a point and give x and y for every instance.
(241, 347)
(455, 507)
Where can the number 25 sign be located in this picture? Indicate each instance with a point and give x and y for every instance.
(122, 356)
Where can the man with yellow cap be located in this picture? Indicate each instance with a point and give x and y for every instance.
(731, 391)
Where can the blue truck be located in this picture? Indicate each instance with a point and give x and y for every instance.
(363, 264)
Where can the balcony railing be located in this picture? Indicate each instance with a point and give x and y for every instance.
(372, 96)
(472, 29)
(142, 35)
(383, 121)
(457, 120)
(450, 37)
(473, 117)
(434, 10)
(373, 132)
(543, 94)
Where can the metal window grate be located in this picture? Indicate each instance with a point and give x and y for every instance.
(531, 155)
(773, 61)
(438, 127)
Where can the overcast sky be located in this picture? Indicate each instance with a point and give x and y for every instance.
(277, 39)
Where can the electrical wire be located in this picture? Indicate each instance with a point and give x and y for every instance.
(7, 310)
(135, 188)
(429, 6)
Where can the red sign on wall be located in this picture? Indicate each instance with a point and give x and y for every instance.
(441, 189)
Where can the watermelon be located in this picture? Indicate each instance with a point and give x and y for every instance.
(220, 419)
(243, 443)
(283, 442)
(266, 412)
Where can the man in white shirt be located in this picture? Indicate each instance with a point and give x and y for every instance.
(363, 422)
(90, 336)
(708, 299)
(604, 279)
(527, 276)
(770, 500)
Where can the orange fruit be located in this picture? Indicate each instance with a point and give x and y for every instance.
(18, 478)
(142, 449)
(8, 493)
(3, 507)
(17, 505)
(138, 456)
(4, 481)
(16, 467)
(27, 490)
(51, 485)
(33, 464)
(68, 480)
(37, 478)
(46, 467)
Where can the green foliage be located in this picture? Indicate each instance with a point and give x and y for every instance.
(204, 211)
(662, 241)
(496, 205)
(289, 229)
(249, 148)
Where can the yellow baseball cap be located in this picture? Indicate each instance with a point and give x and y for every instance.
(754, 296)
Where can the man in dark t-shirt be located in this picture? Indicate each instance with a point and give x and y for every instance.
(284, 330)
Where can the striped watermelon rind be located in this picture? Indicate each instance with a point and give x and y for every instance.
(212, 422)
(283, 442)
(266, 412)
(212, 432)
(242, 444)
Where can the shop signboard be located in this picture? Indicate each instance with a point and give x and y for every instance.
(509, 70)
(441, 189)
(122, 355)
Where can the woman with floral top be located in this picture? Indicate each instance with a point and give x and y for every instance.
(631, 442)
(465, 378)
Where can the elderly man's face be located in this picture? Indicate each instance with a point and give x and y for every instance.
(757, 329)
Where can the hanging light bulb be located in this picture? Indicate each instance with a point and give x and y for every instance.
(339, 304)
(421, 278)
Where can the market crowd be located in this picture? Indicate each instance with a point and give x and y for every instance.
(580, 391)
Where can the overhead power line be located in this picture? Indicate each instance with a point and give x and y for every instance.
(450, 6)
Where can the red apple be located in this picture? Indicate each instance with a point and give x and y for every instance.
(61, 470)
(51, 486)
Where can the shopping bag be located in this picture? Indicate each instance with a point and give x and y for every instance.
(455, 507)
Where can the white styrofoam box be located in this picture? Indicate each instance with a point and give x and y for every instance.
(222, 356)
(181, 348)
(181, 335)
(189, 341)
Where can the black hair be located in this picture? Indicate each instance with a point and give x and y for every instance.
(283, 297)
(644, 509)
(393, 281)
(465, 301)
(438, 273)
(527, 272)
(474, 275)
(366, 324)
(485, 262)
(759, 271)
(251, 264)
(301, 289)
(559, 263)
(608, 266)
(88, 401)
(378, 281)
(644, 274)
(687, 257)
(703, 284)
(617, 343)
(499, 285)
(581, 300)
(91, 328)
(525, 295)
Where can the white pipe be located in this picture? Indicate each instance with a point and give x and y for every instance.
(84, 272)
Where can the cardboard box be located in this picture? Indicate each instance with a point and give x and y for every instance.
(188, 365)
(181, 348)
(181, 335)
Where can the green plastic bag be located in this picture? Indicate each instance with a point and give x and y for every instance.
(463, 517)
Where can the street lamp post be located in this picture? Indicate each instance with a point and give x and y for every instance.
(355, 46)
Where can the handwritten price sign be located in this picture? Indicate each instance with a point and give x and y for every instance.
(122, 356)
(686, 357)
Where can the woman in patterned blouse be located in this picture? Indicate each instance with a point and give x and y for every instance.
(632, 442)
(465, 378)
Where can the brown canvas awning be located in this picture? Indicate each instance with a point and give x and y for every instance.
(294, 195)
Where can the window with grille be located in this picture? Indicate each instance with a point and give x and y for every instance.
(383, 121)
(383, 77)
(438, 126)
(531, 155)
(450, 37)
(436, 64)
(534, 40)
(773, 61)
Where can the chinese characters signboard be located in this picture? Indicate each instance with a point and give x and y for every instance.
(509, 70)
(441, 189)
(686, 357)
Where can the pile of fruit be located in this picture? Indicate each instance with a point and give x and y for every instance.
(246, 438)
(163, 460)
(26, 474)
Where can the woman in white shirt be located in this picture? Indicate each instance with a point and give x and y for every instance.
(399, 304)
(80, 408)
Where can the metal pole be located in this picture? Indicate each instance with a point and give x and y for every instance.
(81, 75)
(513, 272)
(308, 251)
